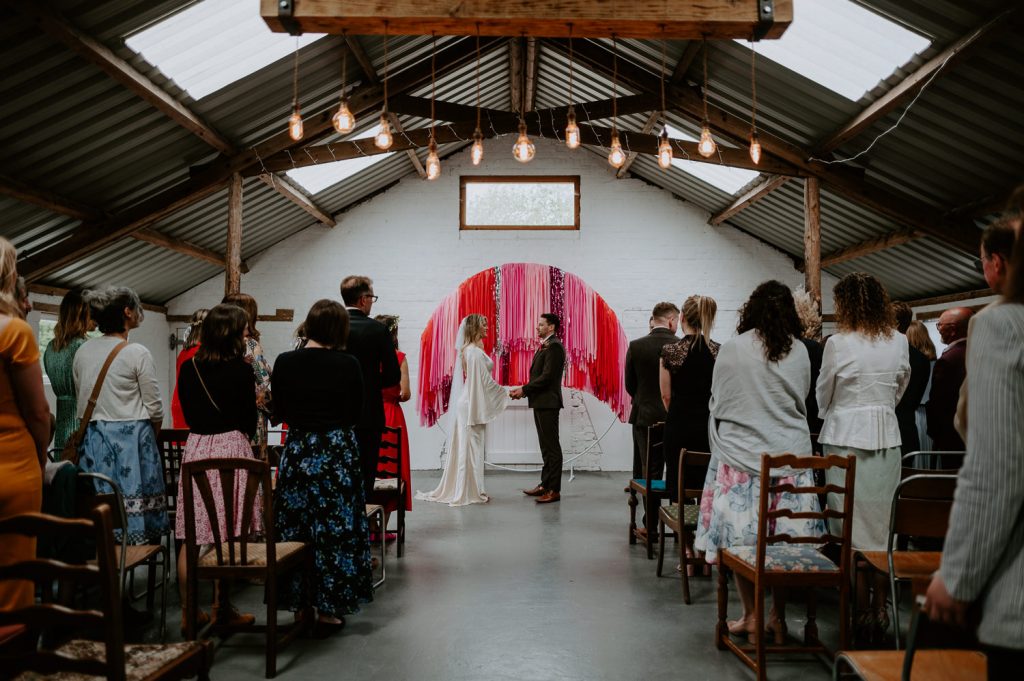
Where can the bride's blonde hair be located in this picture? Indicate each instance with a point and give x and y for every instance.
(474, 331)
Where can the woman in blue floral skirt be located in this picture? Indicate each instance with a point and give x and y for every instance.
(320, 498)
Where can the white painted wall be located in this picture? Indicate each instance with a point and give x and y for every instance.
(637, 245)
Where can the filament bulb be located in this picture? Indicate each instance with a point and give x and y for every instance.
(755, 148)
(707, 145)
(572, 131)
(433, 162)
(615, 154)
(382, 140)
(664, 151)
(477, 152)
(295, 125)
(523, 150)
(343, 119)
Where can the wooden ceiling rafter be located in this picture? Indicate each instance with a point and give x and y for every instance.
(60, 292)
(675, 19)
(761, 189)
(182, 246)
(649, 124)
(288, 189)
(48, 200)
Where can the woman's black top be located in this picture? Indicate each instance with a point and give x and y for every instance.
(690, 363)
(317, 389)
(233, 389)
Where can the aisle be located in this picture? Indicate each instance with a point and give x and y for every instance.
(512, 590)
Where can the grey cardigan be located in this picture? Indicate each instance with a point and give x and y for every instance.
(983, 560)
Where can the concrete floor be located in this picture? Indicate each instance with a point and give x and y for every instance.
(513, 590)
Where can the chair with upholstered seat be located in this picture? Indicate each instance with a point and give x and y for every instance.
(234, 556)
(652, 491)
(682, 518)
(107, 656)
(780, 560)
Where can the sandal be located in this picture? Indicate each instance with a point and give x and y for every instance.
(228, 616)
(202, 619)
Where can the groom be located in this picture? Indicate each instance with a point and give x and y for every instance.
(544, 394)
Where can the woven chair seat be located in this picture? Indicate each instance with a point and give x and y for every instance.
(141, 661)
(785, 558)
(256, 554)
(385, 485)
(691, 514)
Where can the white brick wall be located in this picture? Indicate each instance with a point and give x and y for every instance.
(637, 245)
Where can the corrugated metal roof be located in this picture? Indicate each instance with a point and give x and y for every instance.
(67, 128)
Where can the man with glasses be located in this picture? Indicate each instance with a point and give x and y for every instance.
(371, 343)
(947, 377)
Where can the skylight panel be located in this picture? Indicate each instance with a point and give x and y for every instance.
(213, 44)
(316, 178)
(842, 46)
(729, 180)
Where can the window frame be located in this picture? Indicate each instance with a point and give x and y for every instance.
(519, 179)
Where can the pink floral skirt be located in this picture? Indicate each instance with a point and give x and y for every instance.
(233, 445)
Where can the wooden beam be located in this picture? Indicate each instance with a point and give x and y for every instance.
(749, 198)
(355, 48)
(280, 315)
(868, 246)
(210, 178)
(675, 19)
(515, 74)
(586, 112)
(689, 54)
(411, 153)
(530, 74)
(652, 120)
(233, 271)
(286, 188)
(152, 236)
(935, 314)
(951, 298)
(48, 200)
(812, 239)
(124, 73)
(843, 180)
(912, 84)
(59, 292)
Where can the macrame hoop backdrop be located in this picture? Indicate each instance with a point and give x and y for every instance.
(512, 296)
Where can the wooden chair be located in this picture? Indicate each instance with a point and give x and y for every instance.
(922, 661)
(652, 491)
(172, 447)
(378, 511)
(682, 518)
(785, 561)
(920, 508)
(131, 556)
(389, 485)
(107, 655)
(934, 460)
(234, 556)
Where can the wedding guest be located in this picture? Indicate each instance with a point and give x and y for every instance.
(73, 322)
(394, 417)
(21, 294)
(24, 429)
(865, 370)
(219, 404)
(120, 441)
(318, 391)
(920, 375)
(371, 344)
(919, 339)
(947, 377)
(983, 559)
(188, 351)
(810, 323)
(260, 367)
(643, 358)
(758, 392)
(685, 381)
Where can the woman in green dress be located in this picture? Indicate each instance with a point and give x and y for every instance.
(73, 322)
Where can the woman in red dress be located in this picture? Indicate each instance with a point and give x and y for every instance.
(187, 352)
(394, 417)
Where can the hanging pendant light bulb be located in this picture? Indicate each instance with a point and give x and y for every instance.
(572, 131)
(616, 157)
(523, 150)
(343, 119)
(477, 152)
(295, 125)
(433, 162)
(755, 148)
(755, 144)
(295, 120)
(664, 151)
(706, 147)
(383, 139)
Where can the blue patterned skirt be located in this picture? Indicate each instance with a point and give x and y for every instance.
(126, 452)
(320, 500)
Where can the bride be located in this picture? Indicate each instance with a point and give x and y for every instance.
(479, 401)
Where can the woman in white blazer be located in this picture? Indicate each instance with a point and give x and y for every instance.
(864, 370)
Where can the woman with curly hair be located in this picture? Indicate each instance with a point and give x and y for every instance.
(758, 392)
(864, 371)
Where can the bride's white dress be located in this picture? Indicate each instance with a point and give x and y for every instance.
(481, 401)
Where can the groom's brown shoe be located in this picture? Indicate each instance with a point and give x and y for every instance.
(548, 497)
(535, 492)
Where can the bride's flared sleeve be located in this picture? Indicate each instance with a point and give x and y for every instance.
(487, 399)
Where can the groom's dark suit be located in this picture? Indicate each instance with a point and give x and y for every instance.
(544, 395)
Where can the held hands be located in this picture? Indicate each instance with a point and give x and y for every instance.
(516, 393)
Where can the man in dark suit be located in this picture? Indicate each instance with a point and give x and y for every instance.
(544, 393)
(643, 368)
(920, 369)
(371, 343)
(947, 376)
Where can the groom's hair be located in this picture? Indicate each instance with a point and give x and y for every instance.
(552, 319)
